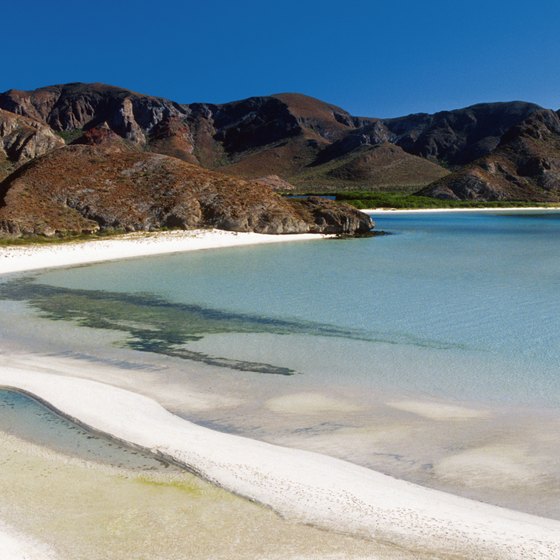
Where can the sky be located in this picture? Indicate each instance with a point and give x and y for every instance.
(378, 58)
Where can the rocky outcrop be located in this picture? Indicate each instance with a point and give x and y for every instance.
(86, 188)
(172, 137)
(460, 136)
(326, 216)
(374, 134)
(78, 106)
(525, 166)
(276, 183)
(103, 136)
(22, 139)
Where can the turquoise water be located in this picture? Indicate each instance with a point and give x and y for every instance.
(353, 348)
(455, 305)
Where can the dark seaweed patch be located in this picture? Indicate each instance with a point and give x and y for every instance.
(153, 324)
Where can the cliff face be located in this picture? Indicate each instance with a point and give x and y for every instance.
(524, 166)
(23, 139)
(77, 106)
(458, 137)
(106, 188)
(298, 138)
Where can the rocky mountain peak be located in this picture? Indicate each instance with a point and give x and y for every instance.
(524, 166)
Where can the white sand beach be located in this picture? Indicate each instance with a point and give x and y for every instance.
(34, 257)
(299, 485)
(15, 546)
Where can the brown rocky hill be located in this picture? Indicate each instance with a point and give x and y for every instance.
(76, 106)
(284, 134)
(384, 165)
(252, 137)
(278, 134)
(303, 140)
(87, 188)
(255, 129)
(451, 138)
(525, 166)
(22, 139)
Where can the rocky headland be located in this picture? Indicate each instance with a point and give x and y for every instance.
(84, 189)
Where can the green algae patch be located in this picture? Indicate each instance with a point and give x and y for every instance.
(190, 487)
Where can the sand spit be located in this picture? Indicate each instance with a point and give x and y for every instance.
(300, 485)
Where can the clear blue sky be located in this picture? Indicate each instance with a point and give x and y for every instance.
(372, 57)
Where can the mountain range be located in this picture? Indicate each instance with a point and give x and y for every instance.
(489, 151)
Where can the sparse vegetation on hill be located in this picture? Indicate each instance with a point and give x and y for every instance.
(366, 200)
(86, 189)
(525, 166)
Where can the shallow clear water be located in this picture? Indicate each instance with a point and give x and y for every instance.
(430, 354)
(85, 511)
(457, 305)
(26, 418)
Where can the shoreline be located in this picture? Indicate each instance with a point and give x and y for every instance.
(26, 258)
(33, 257)
(300, 485)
